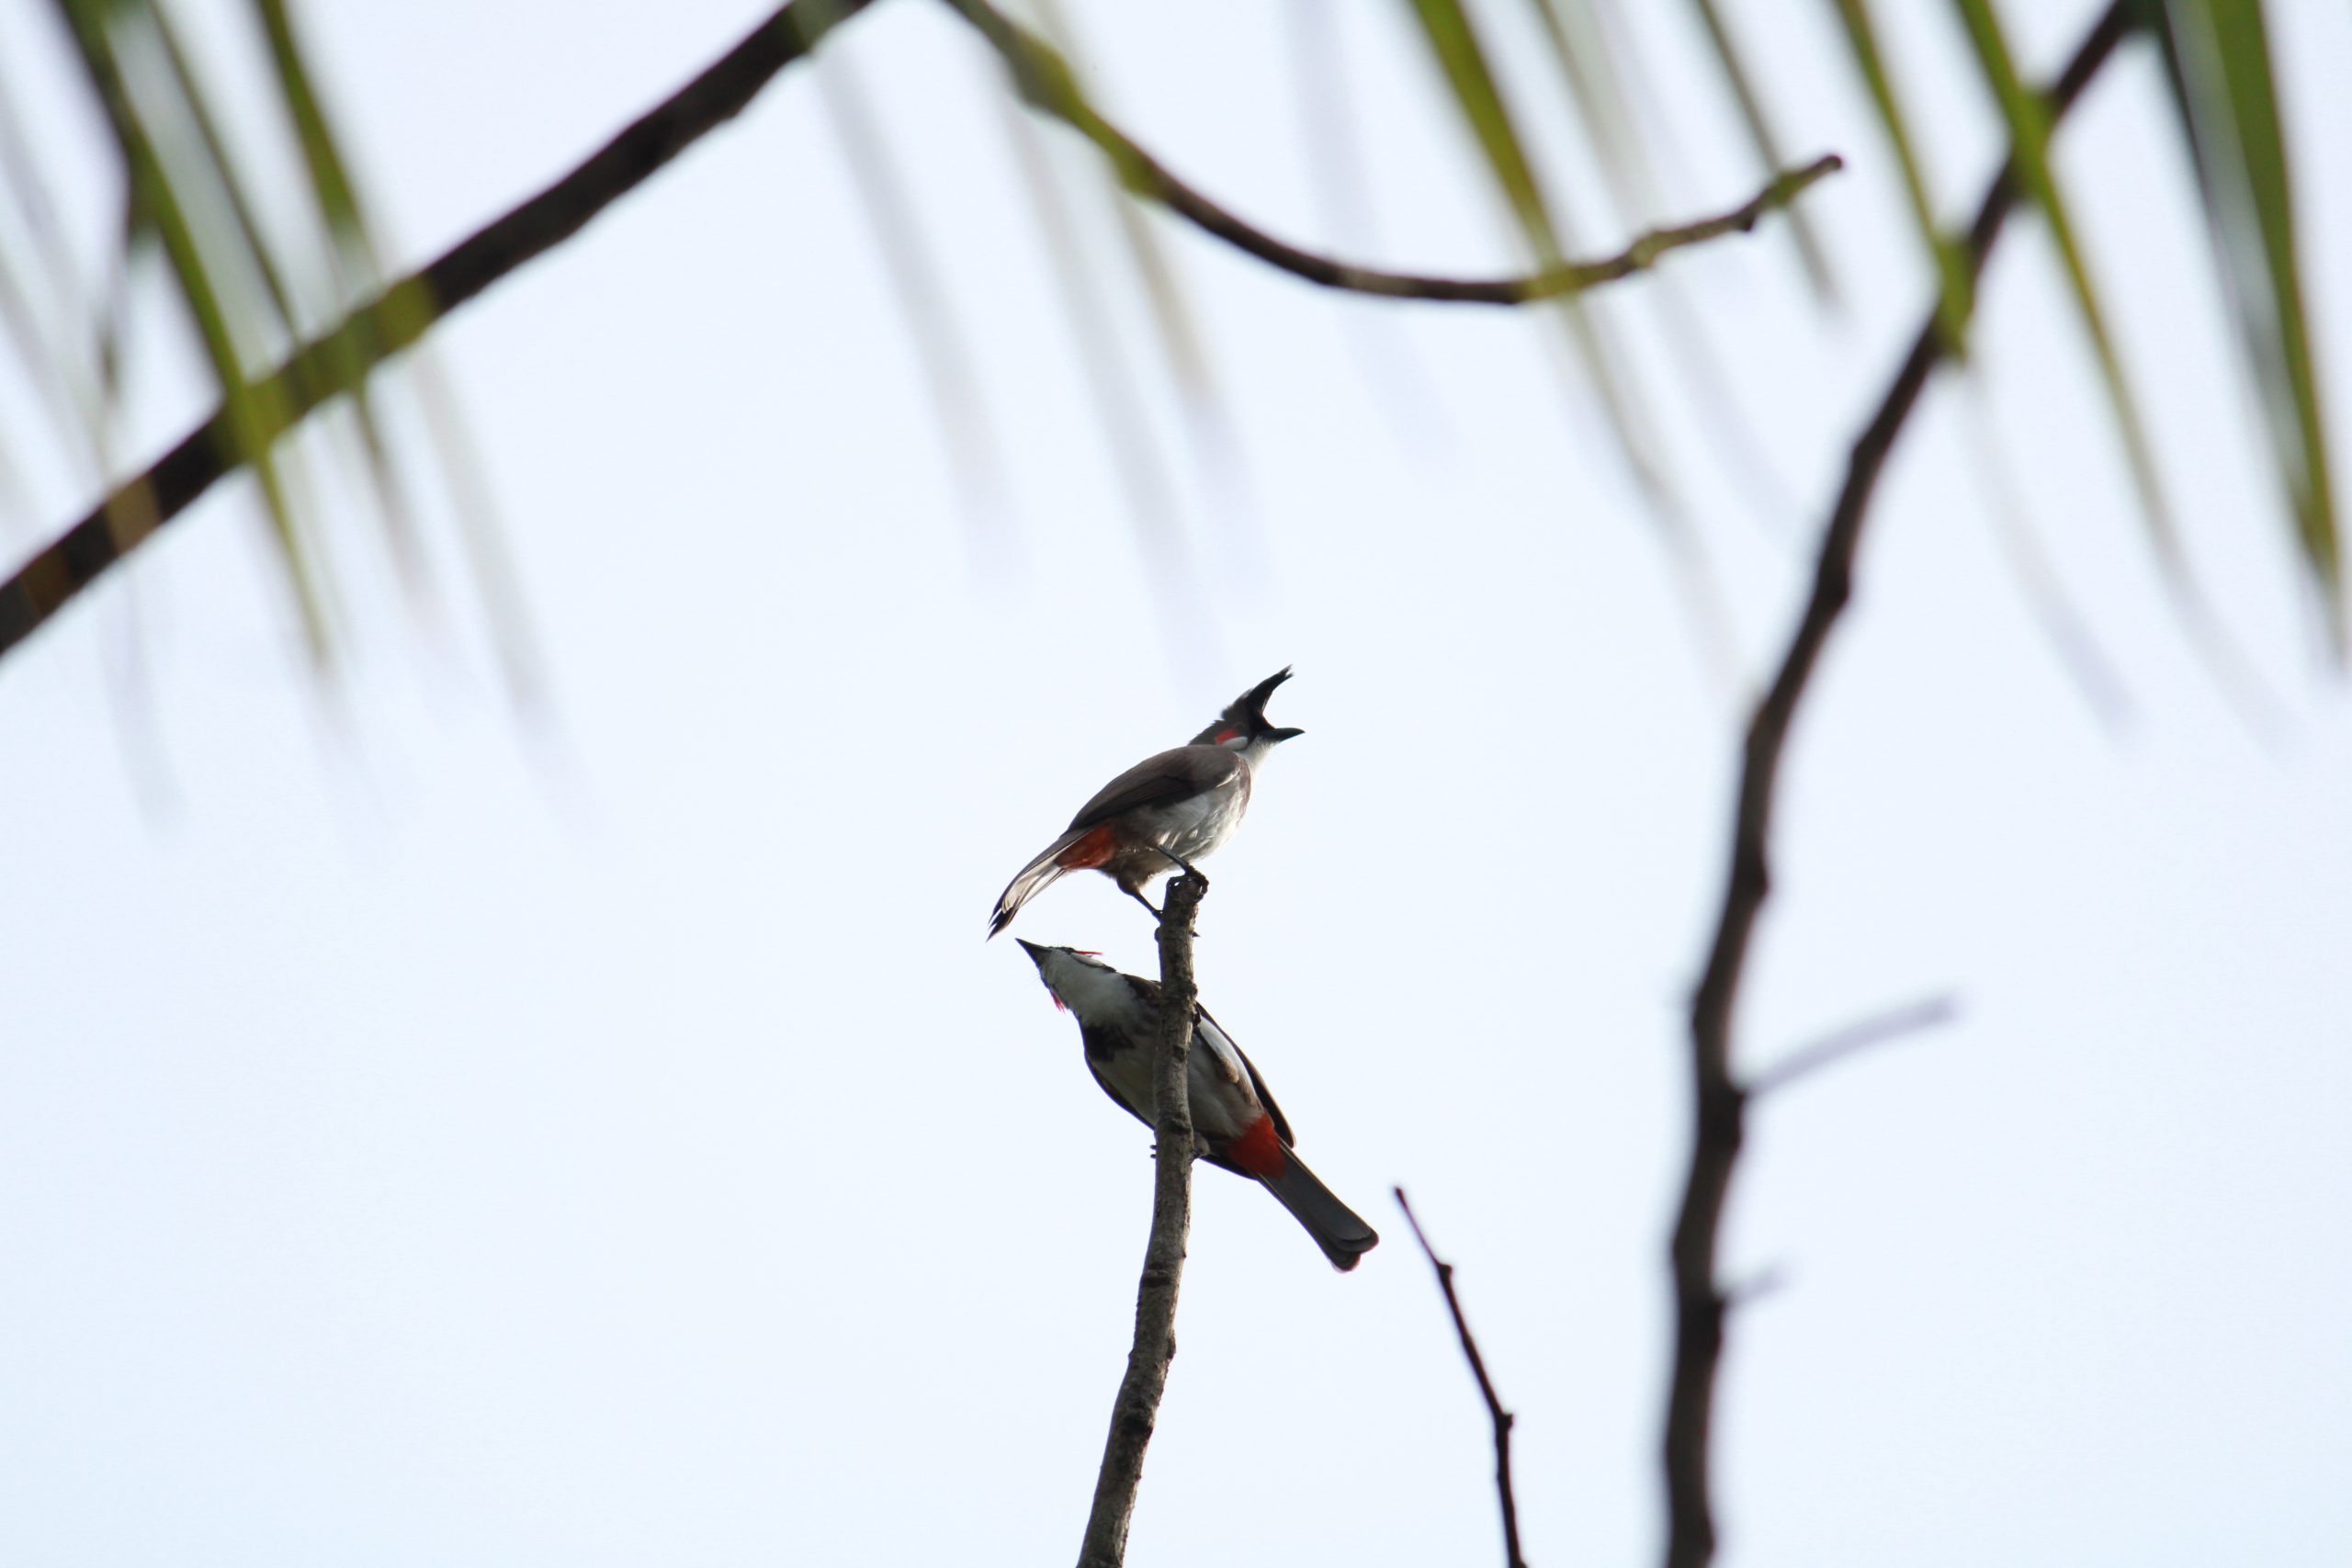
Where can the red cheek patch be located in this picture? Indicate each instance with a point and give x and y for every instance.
(1222, 735)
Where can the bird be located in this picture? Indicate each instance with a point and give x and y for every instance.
(1162, 814)
(1236, 1124)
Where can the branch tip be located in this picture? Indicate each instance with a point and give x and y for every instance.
(1835, 1047)
(1503, 1420)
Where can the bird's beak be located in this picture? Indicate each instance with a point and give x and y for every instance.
(1283, 735)
(1036, 954)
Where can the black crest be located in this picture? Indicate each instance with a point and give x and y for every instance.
(1247, 713)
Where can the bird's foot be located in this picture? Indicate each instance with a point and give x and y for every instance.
(1187, 868)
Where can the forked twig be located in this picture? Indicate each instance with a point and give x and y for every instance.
(1720, 1101)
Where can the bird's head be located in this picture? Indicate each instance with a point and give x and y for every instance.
(1242, 726)
(1076, 980)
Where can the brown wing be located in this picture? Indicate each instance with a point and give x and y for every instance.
(1149, 990)
(1281, 1122)
(1162, 780)
(1102, 1046)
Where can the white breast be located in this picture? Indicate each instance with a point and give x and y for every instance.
(1193, 827)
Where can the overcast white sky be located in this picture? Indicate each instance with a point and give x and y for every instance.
(429, 1138)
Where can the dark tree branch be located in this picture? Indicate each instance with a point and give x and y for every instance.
(1503, 1420)
(1135, 1412)
(1043, 78)
(1835, 1047)
(334, 363)
(1720, 1099)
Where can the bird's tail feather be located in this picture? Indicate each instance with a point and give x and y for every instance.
(1338, 1230)
(1034, 878)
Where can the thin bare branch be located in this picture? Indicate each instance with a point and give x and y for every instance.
(1503, 1420)
(1836, 1046)
(1720, 1102)
(330, 364)
(1135, 1412)
(1762, 1285)
(1045, 79)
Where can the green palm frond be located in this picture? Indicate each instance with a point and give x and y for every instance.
(1454, 45)
(251, 292)
(2028, 124)
(1766, 141)
(2218, 53)
(182, 207)
(924, 303)
(1954, 293)
(1183, 347)
(355, 264)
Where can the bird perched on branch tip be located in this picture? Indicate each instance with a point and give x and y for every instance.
(1236, 1124)
(1164, 813)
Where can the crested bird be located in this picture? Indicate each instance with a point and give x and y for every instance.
(1236, 1124)
(1162, 814)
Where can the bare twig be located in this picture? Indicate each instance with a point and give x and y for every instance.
(1137, 1410)
(1503, 1420)
(1767, 1281)
(1720, 1100)
(1045, 79)
(1836, 1046)
(331, 365)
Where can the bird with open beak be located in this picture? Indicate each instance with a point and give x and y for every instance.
(1162, 814)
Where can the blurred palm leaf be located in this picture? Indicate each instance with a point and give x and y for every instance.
(924, 303)
(396, 316)
(251, 296)
(2218, 55)
(183, 207)
(1954, 293)
(1117, 400)
(1453, 44)
(331, 182)
(356, 266)
(1322, 84)
(18, 329)
(1181, 345)
(1590, 77)
(2028, 123)
(1596, 92)
(1767, 142)
(39, 305)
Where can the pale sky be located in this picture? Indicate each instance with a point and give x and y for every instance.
(428, 1136)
